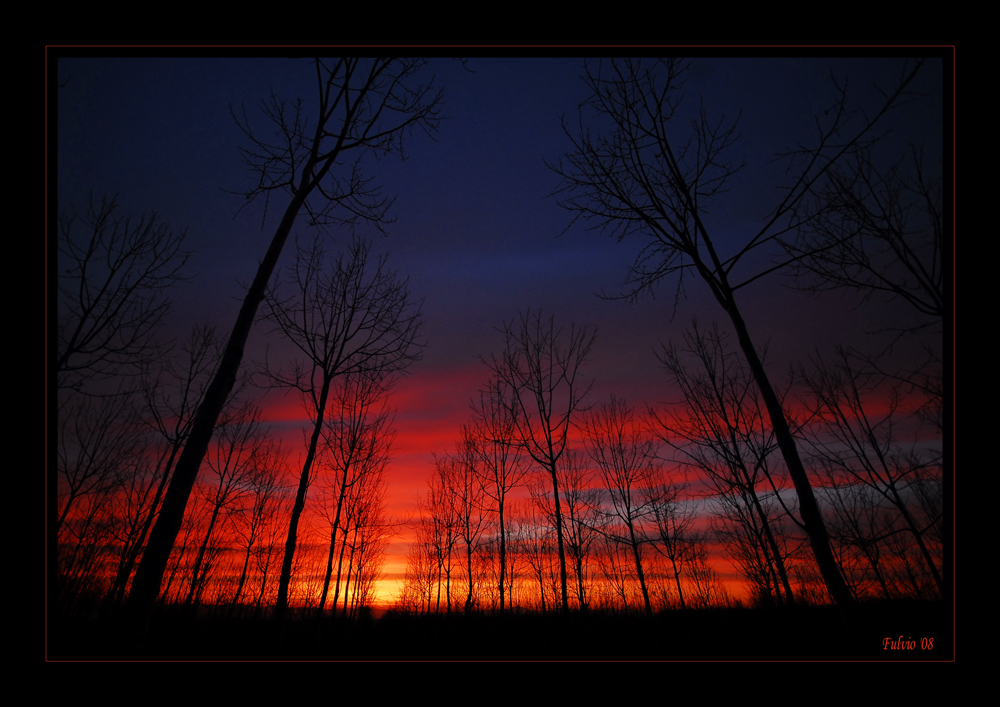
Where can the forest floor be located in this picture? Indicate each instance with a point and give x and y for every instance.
(896, 631)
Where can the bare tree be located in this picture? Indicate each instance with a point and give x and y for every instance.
(354, 317)
(443, 522)
(365, 533)
(374, 531)
(253, 519)
(627, 460)
(416, 594)
(468, 497)
(241, 450)
(857, 441)
(877, 231)
(99, 458)
(673, 526)
(709, 589)
(747, 524)
(493, 440)
(365, 108)
(723, 431)
(533, 541)
(583, 516)
(618, 568)
(859, 526)
(98, 438)
(542, 364)
(113, 273)
(356, 441)
(171, 396)
(630, 174)
(880, 232)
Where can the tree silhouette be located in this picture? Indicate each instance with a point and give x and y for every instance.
(365, 108)
(857, 441)
(467, 499)
(113, 272)
(582, 515)
(533, 541)
(98, 460)
(98, 438)
(442, 523)
(354, 317)
(542, 364)
(356, 441)
(723, 432)
(253, 519)
(171, 395)
(878, 231)
(492, 439)
(630, 173)
(672, 522)
(626, 457)
(859, 527)
(240, 451)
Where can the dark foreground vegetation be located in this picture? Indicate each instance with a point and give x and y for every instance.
(876, 631)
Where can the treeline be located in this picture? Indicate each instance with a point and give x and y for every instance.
(126, 405)
(655, 504)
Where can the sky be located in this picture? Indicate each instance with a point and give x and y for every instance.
(476, 229)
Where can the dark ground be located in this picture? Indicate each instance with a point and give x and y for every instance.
(802, 633)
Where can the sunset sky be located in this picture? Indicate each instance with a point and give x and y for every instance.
(476, 232)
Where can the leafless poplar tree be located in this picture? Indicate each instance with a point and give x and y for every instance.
(241, 449)
(626, 457)
(533, 540)
(860, 524)
(672, 526)
(631, 174)
(542, 364)
(98, 456)
(114, 271)
(354, 317)
(259, 512)
(171, 396)
(723, 431)
(499, 463)
(365, 108)
(582, 514)
(98, 438)
(471, 512)
(878, 231)
(438, 512)
(857, 441)
(356, 440)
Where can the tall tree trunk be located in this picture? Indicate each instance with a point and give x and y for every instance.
(559, 539)
(333, 545)
(340, 568)
(503, 557)
(149, 575)
(677, 581)
(201, 557)
(779, 563)
(638, 569)
(281, 605)
(919, 537)
(812, 517)
(243, 579)
(121, 580)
